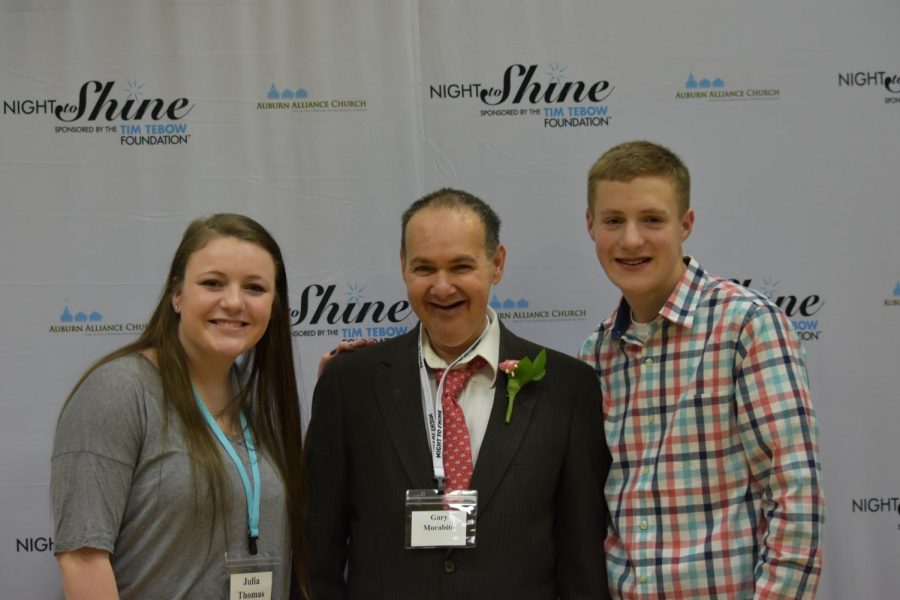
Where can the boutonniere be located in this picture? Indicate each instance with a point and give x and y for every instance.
(521, 372)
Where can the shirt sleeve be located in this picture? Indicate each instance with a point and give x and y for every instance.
(95, 450)
(780, 437)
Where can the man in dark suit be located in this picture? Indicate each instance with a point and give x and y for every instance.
(541, 517)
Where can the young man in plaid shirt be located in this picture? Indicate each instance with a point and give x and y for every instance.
(715, 487)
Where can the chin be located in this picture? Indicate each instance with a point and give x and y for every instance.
(231, 352)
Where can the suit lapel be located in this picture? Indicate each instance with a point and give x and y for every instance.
(502, 440)
(400, 400)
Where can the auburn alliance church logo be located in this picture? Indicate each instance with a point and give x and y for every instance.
(716, 89)
(299, 99)
(91, 323)
(895, 299)
(518, 310)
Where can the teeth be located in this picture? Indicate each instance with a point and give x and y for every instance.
(229, 323)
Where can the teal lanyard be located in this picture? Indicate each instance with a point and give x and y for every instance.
(252, 493)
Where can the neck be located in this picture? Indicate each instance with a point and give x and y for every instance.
(445, 355)
(645, 308)
(214, 388)
(449, 355)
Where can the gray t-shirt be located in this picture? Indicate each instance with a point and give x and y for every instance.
(120, 485)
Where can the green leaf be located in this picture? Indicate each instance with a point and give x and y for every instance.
(539, 363)
(524, 370)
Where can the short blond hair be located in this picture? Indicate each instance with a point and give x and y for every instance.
(630, 160)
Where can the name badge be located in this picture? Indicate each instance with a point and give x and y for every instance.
(435, 520)
(250, 576)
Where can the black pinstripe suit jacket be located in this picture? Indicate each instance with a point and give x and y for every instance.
(541, 514)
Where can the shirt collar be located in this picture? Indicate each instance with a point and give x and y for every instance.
(488, 348)
(680, 307)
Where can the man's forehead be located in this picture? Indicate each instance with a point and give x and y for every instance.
(642, 210)
(640, 188)
(445, 224)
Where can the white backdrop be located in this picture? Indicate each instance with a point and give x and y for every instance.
(122, 120)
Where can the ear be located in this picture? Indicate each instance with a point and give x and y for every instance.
(498, 262)
(176, 295)
(687, 224)
(589, 218)
(403, 265)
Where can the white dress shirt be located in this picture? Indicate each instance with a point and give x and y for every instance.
(477, 399)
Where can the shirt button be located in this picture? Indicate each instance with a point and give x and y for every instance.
(642, 579)
(651, 420)
(644, 525)
(646, 470)
(648, 361)
(449, 566)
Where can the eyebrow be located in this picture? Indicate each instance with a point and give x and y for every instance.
(460, 259)
(646, 211)
(216, 273)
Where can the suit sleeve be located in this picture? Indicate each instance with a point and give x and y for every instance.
(327, 518)
(779, 436)
(581, 507)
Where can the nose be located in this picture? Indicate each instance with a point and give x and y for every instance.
(632, 238)
(232, 298)
(442, 285)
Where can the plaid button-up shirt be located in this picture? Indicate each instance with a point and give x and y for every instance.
(715, 487)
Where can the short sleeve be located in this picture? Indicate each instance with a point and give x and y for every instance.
(97, 444)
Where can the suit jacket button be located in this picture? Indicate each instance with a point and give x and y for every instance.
(449, 566)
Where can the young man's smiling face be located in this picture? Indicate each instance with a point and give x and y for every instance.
(638, 229)
(448, 276)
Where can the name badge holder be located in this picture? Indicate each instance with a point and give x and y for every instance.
(435, 518)
(440, 520)
(251, 575)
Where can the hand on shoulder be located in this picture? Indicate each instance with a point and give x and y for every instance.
(345, 346)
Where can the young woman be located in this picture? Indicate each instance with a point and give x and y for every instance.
(176, 469)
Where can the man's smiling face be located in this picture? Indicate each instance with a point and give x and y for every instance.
(448, 276)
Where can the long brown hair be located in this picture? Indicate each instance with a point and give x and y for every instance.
(269, 397)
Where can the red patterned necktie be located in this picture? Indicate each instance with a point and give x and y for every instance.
(457, 447)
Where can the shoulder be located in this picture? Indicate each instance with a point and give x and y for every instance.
(123, 375)
(557, 362)
(363, 359)
(111, 409)
(735, 300)
(115, 390)
(570, 369)
(747, 316)
(590, 346)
